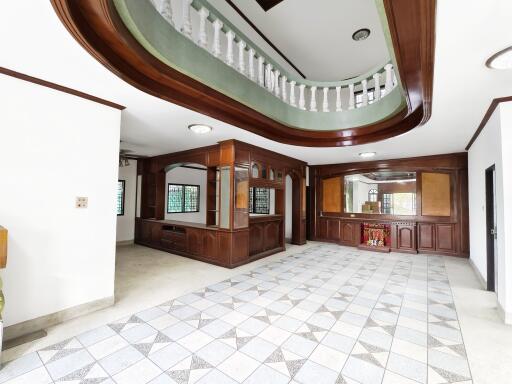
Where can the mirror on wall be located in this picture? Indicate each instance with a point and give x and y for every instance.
(381, 192)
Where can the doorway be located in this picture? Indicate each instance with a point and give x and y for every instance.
(491, 228)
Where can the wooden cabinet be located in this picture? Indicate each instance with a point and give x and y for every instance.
(426, 237)
(350, 233)
(403, 237)
(445, 238)
(265, 234)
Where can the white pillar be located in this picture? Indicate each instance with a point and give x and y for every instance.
(325, 101)
(166, 11)
(277, 88)
(203, 37)
(338, 99)
(351, 98)
(292, 94)
(241, 56)
(312, 101)
(186, 29)
(283, 88)
(252, 73)
(389, 78)
(376, 86)
(364, 83)
(217, 26)
(261, 71)
(302, 99)
(230, 36)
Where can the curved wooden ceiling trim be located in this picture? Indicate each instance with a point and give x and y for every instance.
(96, 25)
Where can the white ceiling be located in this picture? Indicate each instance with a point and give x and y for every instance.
(33, 41)
(316, 36)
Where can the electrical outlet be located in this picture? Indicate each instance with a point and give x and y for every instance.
(81, 202)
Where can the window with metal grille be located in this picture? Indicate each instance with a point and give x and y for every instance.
(387, 203)
(371, 96)
(259, 200)
(120, 197)
(182, 198)
(373, 194)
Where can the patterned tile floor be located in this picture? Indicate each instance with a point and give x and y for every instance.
(328, 314)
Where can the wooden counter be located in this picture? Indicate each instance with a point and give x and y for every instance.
(266, 235)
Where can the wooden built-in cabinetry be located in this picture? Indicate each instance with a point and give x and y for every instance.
(441, 222)
(230, 236)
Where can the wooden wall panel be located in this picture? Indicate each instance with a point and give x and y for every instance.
(435, 194)
(445, 241)
(331, 195)
(3, 247)
(426, 236)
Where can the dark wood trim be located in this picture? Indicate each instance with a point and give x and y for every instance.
(192, 167)
(262, 35)
(57, 87)
(96, 25)
(487, 116)
(489, 225)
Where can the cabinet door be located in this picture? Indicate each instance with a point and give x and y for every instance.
(349, 233)
(255, 238)
(195, 241)
(210, 245)
(426, 237)
(445, 241)
(406, 237)
(271, 235)
(333, 229)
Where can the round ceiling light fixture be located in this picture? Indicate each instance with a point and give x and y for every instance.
(361, 34)
(501, 60)
(366, 155)
(200, 129)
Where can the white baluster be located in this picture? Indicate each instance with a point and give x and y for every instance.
(351, 98)
(376, 86)
(269, 78)
(395, 80)
(203, 37)
(292, 94)
(241, 56)
(166, 11)
(217, 26)
(252, 74)
(338, 99)
(312, 101)
(261, 72)
(364, 83)
(283, 88)
(277, 88)
(187, 23)
(302, 99)
(389, 78)
(325, 103)
(230, 36)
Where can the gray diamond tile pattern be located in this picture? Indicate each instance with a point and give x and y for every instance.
(328, 314)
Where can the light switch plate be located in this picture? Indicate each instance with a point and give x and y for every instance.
(81, 202)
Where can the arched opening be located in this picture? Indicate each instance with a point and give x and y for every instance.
(297, 202)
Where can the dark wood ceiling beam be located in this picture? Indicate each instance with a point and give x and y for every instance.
(268, 4)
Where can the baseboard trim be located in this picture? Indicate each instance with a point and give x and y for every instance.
(479, 276)
(124, 242)
(505, 316)
(28, 327)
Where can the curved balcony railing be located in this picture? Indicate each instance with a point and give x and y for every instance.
(192, 37)
(249, 60)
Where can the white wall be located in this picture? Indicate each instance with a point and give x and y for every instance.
(493, 147)
(182, 175)
(53, 148)
(126, 223)
(288, 208)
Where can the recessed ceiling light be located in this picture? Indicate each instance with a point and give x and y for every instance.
(200, 129)
(501, 60)
(361, 34)
(367, 154)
